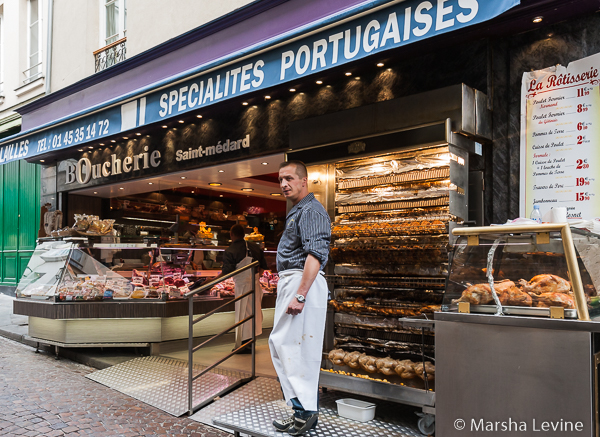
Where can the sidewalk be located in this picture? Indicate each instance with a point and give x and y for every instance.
(15, 327)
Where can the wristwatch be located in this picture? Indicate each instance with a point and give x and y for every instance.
(300, 298)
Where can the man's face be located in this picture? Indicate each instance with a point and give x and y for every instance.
(291, 184)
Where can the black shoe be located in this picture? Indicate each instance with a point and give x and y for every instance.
(284, 423)
(303, 425)
(243, 351)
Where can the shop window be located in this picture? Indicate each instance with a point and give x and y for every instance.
(34, 43)
(113, 19)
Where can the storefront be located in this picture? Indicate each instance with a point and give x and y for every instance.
(400, 147)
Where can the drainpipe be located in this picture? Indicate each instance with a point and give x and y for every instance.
(49, 45)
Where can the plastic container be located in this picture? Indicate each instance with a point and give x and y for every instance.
(536, 215)
(356, 410)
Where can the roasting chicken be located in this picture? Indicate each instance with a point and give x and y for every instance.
(430, 368)
(553, 300)
(478, 294)
(351, 359)
(336, 356)
(368, 363)
(386, 366)
(405, 369)
(545, 284)
(509, 294)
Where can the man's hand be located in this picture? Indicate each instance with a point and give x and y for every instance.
(295, 307)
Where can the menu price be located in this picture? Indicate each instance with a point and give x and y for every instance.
(560, 139)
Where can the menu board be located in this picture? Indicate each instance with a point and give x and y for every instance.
(560, 139)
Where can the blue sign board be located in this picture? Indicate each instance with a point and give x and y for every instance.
(375, 32)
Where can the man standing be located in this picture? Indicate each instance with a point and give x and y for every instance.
(239, 254)
(296, 341)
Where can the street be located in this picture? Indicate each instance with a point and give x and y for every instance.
(40, 396)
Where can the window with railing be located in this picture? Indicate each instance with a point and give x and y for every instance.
(34, 43)
(113, 15)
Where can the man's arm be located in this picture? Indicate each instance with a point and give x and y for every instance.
(311, 270)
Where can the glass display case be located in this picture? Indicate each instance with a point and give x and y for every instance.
(547, 270)
(83, 270)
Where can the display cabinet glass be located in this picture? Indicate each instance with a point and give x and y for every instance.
(104, 269)
(540, 270)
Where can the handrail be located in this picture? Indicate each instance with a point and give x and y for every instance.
(192, 321)
(211, 284)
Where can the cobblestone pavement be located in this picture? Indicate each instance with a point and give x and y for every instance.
(40, 396)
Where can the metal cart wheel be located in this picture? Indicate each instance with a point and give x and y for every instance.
(426, 424)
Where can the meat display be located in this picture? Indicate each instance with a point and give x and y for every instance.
(541, 291)
(405, 369)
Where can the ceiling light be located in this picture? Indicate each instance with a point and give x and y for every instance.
(380, 64)
(357, 78)
(102, 144)
(348, 74)
(215, 184)
(182, 177)
(319, 82)
(275, 194)
(198, 116)
(254, 106)
(267, 97)
(245, 103)
(264, 163)
(221, 171)
(138, 134)
(149, 183)
(179, 183)
(181, 121)
(125, 138)
(80, 150)
(91, 148)
(42, 160)
(247, 189)
(121, 188)
(538, 19)
(220, 195)
(192, 192)
(292, 90)
(165, 126)
(112, 141)
(95, 192)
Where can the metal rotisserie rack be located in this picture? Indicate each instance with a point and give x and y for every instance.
(390, 245)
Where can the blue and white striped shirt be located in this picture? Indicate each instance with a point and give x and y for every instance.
(307, 231)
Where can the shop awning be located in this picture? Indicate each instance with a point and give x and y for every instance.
(356, 33)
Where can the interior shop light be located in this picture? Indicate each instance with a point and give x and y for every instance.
(276, 194)
(148, 220)
(319, 82)
(112, 141)
(42, 160)
(380, 64)
(121, 188)
(220, 195)
(165, 126)
(292, 90)
(91, 148)
(348, 74)
(182, 177)
(138, 134)
(215, 184)
(221, 171)
(95, 192)
(245, 103)
(264, 163)
(181, 121)
(247, 189)
(198, 116)
(267, 97)
(537, 19)
(80, 150)
(125, 138)
(102, 144)
(150, 183)
(357, 78)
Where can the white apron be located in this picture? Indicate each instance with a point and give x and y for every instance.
(243, 308)
(296, 342)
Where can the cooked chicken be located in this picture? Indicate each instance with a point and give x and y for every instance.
(405, 369)
(509, 294)
(430, 368)
(368, 363)
(386, 366)
(336, 356)
(546, 284)
(478, 294)
(351, 359)
(553, 300)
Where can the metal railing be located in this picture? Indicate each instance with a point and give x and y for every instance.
(110, 55)
(192, 321)
(32, 73)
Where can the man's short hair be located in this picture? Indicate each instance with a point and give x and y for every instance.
(299, 165)
(237, 231)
